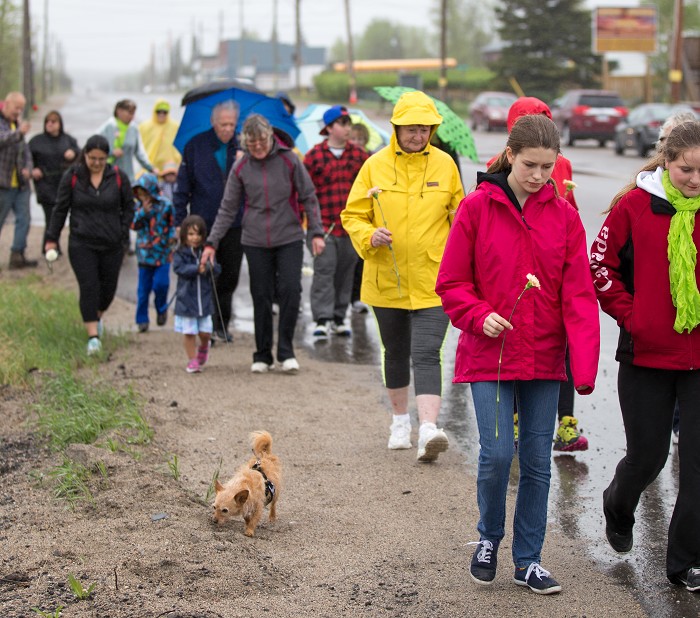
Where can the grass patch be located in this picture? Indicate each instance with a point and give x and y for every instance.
(73, 412)
(41, 329)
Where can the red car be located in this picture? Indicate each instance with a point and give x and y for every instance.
(490, 110)
(588, 114)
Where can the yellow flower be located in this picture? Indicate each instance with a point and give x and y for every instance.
(570, 185)
(374, 192)
(532, 282)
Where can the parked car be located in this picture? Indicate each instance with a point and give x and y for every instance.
(640, 129)
(588, 114)
(490, 110)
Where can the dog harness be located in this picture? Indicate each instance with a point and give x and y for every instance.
(269, 485)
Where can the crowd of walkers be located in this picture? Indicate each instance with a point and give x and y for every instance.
(508, 265)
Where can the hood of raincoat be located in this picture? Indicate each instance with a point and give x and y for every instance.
(526, 106)
(415, 107)
(149, 182)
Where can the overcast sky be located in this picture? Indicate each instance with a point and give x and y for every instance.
(117, 35)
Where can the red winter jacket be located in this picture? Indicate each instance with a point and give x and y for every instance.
(490, 250)
(629, 262)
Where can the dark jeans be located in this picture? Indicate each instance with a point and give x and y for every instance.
(229, 255)
(97, 272)
(647, 400)
(278, 267)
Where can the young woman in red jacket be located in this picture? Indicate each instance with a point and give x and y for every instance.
(514, 225)
(644, 264)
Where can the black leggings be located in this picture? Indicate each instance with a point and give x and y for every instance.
(229, 255)
(97, 272)
(416, 336)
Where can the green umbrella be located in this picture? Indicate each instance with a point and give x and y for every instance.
(452, 131)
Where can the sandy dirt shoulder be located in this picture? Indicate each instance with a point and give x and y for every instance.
(361, 531)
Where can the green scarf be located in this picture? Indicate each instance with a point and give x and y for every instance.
(682, 257)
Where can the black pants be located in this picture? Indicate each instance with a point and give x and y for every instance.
(565, 405)
(48, 209)
(97, 272)
(229, 255)
(647, 400)
(270, 267)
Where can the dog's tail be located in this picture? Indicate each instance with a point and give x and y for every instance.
(261, 443)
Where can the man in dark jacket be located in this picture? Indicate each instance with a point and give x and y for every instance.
(201, 179)
(15, 170)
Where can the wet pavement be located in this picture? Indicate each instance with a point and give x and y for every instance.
(577, 480)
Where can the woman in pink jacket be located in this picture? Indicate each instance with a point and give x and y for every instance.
(514, 226)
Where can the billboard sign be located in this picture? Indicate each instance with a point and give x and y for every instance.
(625, 29)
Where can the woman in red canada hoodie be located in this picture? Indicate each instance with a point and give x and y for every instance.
(514, 225)
(644, 264)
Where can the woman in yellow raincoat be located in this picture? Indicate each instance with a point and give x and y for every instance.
(398, 215)
(158, 135)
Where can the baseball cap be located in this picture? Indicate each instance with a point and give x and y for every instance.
(331, 115)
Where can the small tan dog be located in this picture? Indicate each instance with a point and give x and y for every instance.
(254, 486)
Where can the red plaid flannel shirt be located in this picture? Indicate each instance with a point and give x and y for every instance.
(333, 178)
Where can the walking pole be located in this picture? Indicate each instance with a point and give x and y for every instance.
(216, 298)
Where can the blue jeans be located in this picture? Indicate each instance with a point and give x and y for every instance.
(154, 279)
(16, 200)
(537, 405)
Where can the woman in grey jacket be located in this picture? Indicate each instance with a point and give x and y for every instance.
(275, 186)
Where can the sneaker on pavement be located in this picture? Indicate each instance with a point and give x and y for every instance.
(94, 346)
(483, 566)
(290, 366)
(359, 307)
(321, 330)
(692, 580)
(431, 442)
(193, 366)
(341, 330)
(400, 437)
(203, 354)
(568, 438)
(537, 579)
(260, 367)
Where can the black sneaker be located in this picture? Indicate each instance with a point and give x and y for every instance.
(536, 579)
(143, 327)
(483, 566)
(692, 580)
(621, 542)
(223, 335)
(162, 318)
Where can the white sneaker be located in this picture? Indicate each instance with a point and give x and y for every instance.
(261, 367)
(341, 330)
(400, 437)
(94, 346)
(359, 307)
(321, 331)
(431, 442)
(290, 366)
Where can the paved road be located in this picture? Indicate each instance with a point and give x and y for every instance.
(578, 481)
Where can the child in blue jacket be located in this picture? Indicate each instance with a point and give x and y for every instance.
(154, 222)
(194, 303)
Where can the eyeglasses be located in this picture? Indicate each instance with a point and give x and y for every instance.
(260, 141)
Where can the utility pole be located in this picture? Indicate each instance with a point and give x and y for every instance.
(297, 51)
(676, 73)
(351, 56)
(442, 82)
(241, 42)
(45, 59)
(275, 49)
(27, 75)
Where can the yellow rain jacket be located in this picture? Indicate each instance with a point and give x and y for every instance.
(158, 138)
(420, 193)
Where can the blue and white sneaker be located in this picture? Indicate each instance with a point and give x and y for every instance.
(483, 566)
(536, 579)
(94, 346)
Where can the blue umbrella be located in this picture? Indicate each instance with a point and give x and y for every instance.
(200, 101)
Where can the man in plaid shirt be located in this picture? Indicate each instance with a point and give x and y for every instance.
(333, 165)
(15, 170)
